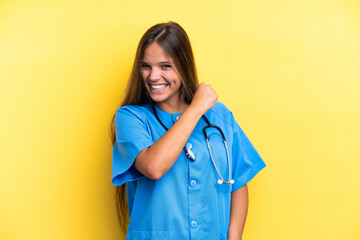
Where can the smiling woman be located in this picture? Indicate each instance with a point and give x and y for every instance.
(161, 79)
(174, 192)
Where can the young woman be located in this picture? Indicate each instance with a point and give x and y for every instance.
(183, 157)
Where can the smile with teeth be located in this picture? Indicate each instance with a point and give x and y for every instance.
(158, 87)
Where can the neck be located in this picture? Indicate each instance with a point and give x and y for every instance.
(179, 107)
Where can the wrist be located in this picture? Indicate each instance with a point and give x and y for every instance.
(194, 111)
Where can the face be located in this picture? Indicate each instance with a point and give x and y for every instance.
(161, 79)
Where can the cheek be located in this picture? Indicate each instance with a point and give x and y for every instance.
(176, 80)
(145, 73)
(179, 82)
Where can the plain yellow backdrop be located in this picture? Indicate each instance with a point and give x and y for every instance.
(289, 71)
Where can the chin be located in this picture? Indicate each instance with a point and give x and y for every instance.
(157, 99)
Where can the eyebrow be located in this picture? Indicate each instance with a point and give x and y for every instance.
(163, 62)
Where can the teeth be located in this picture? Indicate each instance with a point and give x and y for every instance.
(158, 87)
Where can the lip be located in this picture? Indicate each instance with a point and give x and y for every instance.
(157, 84)
(160, 90)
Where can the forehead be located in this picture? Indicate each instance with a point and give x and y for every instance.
(154, 52)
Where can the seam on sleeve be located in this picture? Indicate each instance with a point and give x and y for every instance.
(238, 183)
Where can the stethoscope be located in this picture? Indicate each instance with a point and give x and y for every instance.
(191, 155)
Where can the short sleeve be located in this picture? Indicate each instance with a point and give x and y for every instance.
(245, 159)
(132, 136)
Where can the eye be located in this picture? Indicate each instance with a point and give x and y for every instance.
(166, 66)
(145, 66)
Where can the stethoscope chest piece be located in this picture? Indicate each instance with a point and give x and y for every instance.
(223, 182)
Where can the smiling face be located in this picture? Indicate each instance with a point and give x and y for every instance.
(161, 79)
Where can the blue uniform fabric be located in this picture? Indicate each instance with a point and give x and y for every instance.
(187, 202)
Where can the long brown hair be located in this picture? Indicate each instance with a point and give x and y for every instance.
(176, 45)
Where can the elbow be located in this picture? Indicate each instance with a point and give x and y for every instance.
(154, 172)
(148, 167)
(155, 176)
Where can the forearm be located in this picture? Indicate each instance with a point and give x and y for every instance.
(238, 213)
(156, 160)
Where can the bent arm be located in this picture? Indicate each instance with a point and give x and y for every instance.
(156, 160)
(238, 212)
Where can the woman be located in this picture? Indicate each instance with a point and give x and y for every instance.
(177, 187)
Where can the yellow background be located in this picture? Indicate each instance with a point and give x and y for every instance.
(289, 70)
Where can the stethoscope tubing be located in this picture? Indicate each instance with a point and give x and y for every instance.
(221, 180)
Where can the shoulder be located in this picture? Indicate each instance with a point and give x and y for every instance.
(219, 107)
(132, 111)
(220, 111)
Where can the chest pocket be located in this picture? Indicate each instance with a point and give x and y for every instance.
(219, 156)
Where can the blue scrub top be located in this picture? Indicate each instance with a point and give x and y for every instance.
(187, 202)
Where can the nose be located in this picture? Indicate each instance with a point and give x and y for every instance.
(154, 74)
